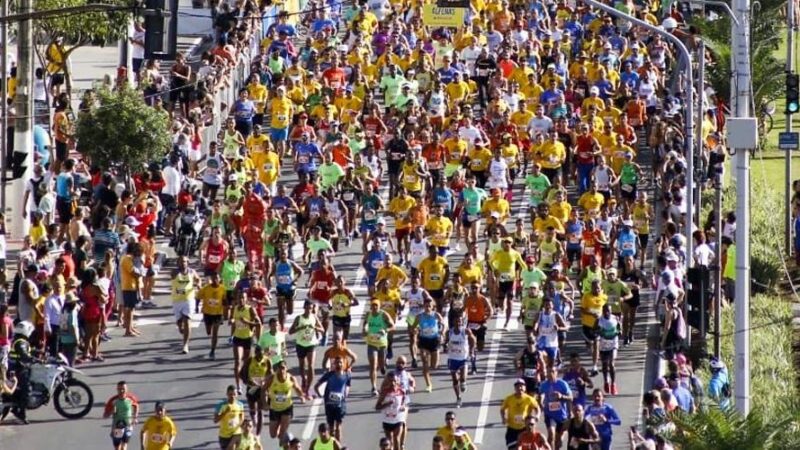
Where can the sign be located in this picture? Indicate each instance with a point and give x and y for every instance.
(788, 141)
(434, 16)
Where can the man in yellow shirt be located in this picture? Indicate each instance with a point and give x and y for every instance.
(131, 272)
(158, 432)
(515, 410)
(399, 208)
(591, 308)
(506, 264)
(434, 272)
(212, 298)
(258, 95)
(281, 110)
(495, 209)
(545, 220)
(552, 156)
(267, 163)
(458, 89)
(593, 100)
(591, 200)
(229, 414)
(438, 230)
(392, 273)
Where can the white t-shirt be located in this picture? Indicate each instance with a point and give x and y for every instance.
(703, 255)
(469, 134)
(138, 50)
(172, 180)
(539, 125)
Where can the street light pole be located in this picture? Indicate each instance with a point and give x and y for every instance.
(688, 113)
(787, 197)
(741, 45)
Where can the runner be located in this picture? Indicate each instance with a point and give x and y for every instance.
(159, 431)
(392, 403)
(280, 385)
(479, 310)
(229, 414)
(123, 408)
(429, 325)
(254, 371)
(286, 273)
(273, 342)
(325, 441)
(337, 388)
(548, 327)
(603, 416)
(307, 326)
(376, 326)
(212, 298)
(516, 408)
(243, 319)
(460, 345)
(342, 299)
(185, 283)
(556, 396)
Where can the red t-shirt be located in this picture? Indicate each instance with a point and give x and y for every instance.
(321, 285)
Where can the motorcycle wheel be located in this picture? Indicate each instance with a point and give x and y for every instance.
(74, 395)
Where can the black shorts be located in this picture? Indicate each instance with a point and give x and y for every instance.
(210, 187)
(285, 293)
(212, 319)
(57, 79)
(392, 427)
(341, 322)
(254, 395)
(480, 333)
(64, 208)
(505, 288)
(608, 355)
(644, 238)
(573, 254)
(130, 299)
(630, 194)
(302, 351)
(230, 296)
(512, 436)
(334, 414)
(245, 343)
(589, 333)
(275, 416)
(429, 344)
(168, 203)
(62, 151)
(531, 385)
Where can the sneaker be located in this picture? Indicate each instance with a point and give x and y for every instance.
(626, 342)
(105, 337)
(606, 388)
(429, 388)
(349, 241)
(383, 370)
(458, 402)
(211, 355)
(614, 390)
(414, 363)
(389, 354)
(593, 372)
(374, 392)
(463, 387)
(185, 350)
(238, 391)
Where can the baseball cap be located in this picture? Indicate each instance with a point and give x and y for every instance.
(594, 90)
(519, 381)
(232, 177)
(132, 221)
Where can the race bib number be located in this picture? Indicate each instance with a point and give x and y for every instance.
(627, 188)
(212, 302)
(529, 373)
(284, 279)
(474, 326)
(119, 433)
(410, 178)
(505, 277)
(336, 396)
(281, 117)
(588, 250)
(214, 259)
(281, 398)
(267, 167)
(157, 438)
(369, 214)
(472, 217)
(554, 406)
(348, 196)
(530, 314)
(302, 159)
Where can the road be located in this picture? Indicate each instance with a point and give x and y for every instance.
(191, 385)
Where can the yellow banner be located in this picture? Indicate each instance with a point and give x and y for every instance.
(434, 16)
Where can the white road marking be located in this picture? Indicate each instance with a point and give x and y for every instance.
(311, 422)
(486, 397)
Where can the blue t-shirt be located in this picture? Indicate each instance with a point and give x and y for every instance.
(321, 24)
(63, 183)
(612, 418)
(443, 197)
(336, 387)
(306, 156)
(554, 408)
(244, 110)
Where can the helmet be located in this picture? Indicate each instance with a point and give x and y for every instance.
(716, 364)
(24, 328)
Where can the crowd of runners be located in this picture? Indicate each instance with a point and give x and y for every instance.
(498, 169)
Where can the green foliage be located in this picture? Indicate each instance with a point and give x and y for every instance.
(713, 428)
(123, 131)
(774, 421)
(766, 29)
(83, 28)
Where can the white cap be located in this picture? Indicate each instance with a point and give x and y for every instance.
(594, 90)
(132, 221)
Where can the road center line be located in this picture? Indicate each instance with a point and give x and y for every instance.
(486, 397)
(311, 422)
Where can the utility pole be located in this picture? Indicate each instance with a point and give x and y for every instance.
(787, 197)
(23, 125)
(718, 179)
(701, 77)
(741, 47)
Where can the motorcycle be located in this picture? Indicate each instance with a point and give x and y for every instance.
(72, 398)
(189, 225)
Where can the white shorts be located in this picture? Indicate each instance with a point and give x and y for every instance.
(4, 351)
(194, 155)
(182, 309)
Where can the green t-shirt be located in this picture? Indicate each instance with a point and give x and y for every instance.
(231, 271)
(628, 174)
(330, 174)
(123, 410)
(473, 199)
(538, 186)
(614, 291)
(391, 85)
(535, 275)
(272, 345)
(315, 245)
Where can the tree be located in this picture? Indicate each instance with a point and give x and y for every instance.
(78, 30)
(122, 131)
(766, 30)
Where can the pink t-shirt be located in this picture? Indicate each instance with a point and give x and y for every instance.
(5, 338)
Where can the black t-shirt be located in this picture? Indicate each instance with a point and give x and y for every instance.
(484, 67)
(106, 196)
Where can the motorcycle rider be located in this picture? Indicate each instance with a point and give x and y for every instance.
(19, 361)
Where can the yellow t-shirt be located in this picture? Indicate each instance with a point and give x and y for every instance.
(552, 155)
(231, 422)
(495, 205)
(591, 202)
(212, 298)
(518, 409)
(268, 165)
(400, 206)
(257, 143)
(393, 274)
(505, 262)
(390, 301)
(439, 229)
(471, 274)
(281, 111)
(258, 94)
(592, 304)
(129, 282)
(479, 159)
(432, 273)
(159, 432)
